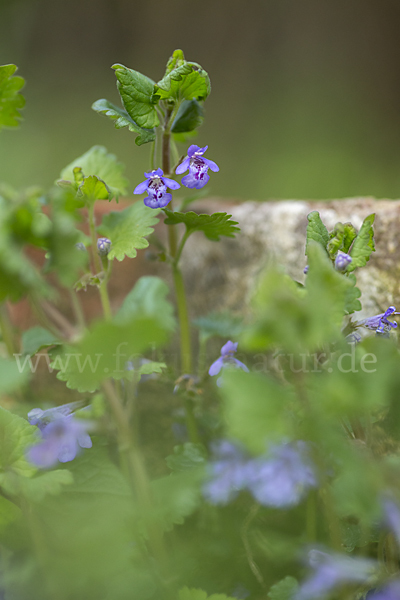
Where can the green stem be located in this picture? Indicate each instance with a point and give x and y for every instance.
(186, 351)
(181, 246)
(191, 423)
(76, 305)
(105, 300)
(7, 329)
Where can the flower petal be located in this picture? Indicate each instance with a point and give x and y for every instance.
(151, 202)
(192, 149)
(171, 184)
(216, 367)
(210, 163)
(141, 188)
(183, 166)
(84, 440)
(164, 200)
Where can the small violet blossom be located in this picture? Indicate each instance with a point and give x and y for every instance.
(198, 167)
(62, 436)
(392, 517)
(389, 592)
(380, 323)
(305, 270)
(103, 246)
(284, 477)
(342, 261)
(278, 479)
(156, 187)
(332, 571)
(226, 359)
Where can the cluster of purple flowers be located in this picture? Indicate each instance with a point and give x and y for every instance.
(226, 360)
(62, 434)
(278, 479)
(342, 261)
(156, 184)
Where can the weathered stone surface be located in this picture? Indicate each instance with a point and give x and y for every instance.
(221, 275)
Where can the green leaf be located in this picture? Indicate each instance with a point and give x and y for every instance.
(128, 229)
(196, 594)
(316, 231)
(136, 91)
(148, 298)
(94, 189)
(188, 117)
(363, 245)
(351, 298)
(256, 408)
(224, 324)
(122, 119)
(284, 589)
(104, 351)
(176, 497)
(341, 238)
(183, 80)
(11, 101)
(186, 456)
(36, 338)
(11, 377)
(213, 226)
(36, 488)
(97, 161)
(16, 435)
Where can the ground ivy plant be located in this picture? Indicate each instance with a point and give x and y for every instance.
(125, 473)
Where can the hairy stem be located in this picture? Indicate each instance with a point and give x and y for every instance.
(105, 300)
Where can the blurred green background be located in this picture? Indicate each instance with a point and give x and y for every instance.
(305, 100)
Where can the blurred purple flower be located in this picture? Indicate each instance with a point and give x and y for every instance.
(198, 167)
(278, 479)
(392, 517)
(380, 323)
(342, 261)
(156, 187)
(41, 418)
(305, 270)
(332, 571)
(228, 473)
(283, 477)
(389, 592)
(226, 359)
(62, 435)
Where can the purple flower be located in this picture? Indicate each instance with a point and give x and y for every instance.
(228, 473)
(392, 517)
(198, 167)
(380, 323)
(226, 359)
(41, 418)
(278, 479)
(103, 246)
(332, 571)
(389, 592)
(305, 270)
(62, 435)
(283, 477)
(156, 187)
(342, 261)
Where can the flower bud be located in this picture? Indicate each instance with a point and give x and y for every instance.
(103, 246)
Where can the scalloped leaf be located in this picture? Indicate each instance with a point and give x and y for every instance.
(105, 350)
(105, 166)
(122, 119)
(93, 188)
(11, 101)
(36, 339)
(136, 91)
(284, 589)
(213, 226)
(128, 229)
(316, 231)
(363, 245)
